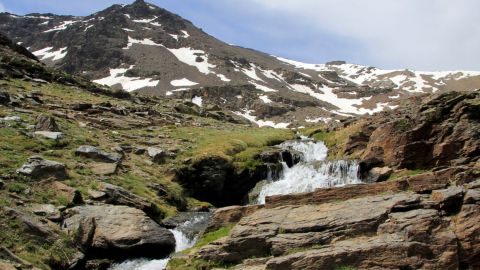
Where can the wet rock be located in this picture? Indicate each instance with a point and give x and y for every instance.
(119, 232)
(97, 154)
(49, 135)
(46, 123)
(71, 195)
(158, 155)
(38, 168)
(104, 168)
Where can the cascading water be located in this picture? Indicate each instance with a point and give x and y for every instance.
(312, 173)
(184, 239)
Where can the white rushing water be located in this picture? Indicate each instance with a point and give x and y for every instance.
(312, 172)
(183, 240)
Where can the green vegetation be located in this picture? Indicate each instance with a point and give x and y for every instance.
(213, 236)
(345, 268)
(404, 173)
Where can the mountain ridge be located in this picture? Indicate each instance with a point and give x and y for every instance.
(144, 48)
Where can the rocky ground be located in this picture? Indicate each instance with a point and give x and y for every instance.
(87, 173)
(420, 209)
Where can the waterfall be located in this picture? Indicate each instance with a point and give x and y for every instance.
(184, 239)
(312, 173)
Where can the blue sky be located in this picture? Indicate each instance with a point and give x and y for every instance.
(422, 35)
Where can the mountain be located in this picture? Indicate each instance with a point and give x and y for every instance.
(144, 48)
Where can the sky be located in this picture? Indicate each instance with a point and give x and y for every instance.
(393, 34)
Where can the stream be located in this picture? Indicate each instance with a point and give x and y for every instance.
(314, 171)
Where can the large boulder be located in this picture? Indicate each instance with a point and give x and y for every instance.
(118, 232)
(158, 155)
(71, 195)
(95, 153)
(33, 226)
(38, 168)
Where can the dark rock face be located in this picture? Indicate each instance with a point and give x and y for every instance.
(118, 232)
(97, 154)
(4, 98)
(215, 180)
(39, 168)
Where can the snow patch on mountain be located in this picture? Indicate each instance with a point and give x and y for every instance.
(197, 101)
(190, 56)
(183, 82)
(145, 41)
(262, 87)
(61, 27)
(247, 114)
(265, 99)
(47, 53)
(117, 76)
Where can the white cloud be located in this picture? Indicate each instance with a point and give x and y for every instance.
(426, 34)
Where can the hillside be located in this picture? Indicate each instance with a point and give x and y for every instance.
(144, 48)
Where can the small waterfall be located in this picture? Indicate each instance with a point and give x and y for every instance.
(184, 239)
(312, 173)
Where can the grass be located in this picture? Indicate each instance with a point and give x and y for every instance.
(337, 140)
(345, 268)
(213, 236)
(405, 173)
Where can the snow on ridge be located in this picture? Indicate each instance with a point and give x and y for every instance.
(47, 53)
(252, 73)
(61, 27)
(117, 76)
(185, 34)
(145, 41)
(128, 30)
(223, 77)
(183, 82)
(247, 114)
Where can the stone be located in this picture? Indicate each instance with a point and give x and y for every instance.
(2, 184)
(119, 196)
(104, 168)
(46, 123)
(4, 98)
(96, 195)
(32, 225)
(11, 119)
(467, 229)
(139, 151)
(38, 168)
(158, 155)
(71, 195)
(46, 210)
(97, 154)
(81, 106)
(118, 232)
(472, 196)
(449, 199)
(425, 183)
(379, 174)
(326, 195)
(49, 135)
(226, 216)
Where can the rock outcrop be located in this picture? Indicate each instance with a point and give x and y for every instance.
(385, 226)
(95, 153)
